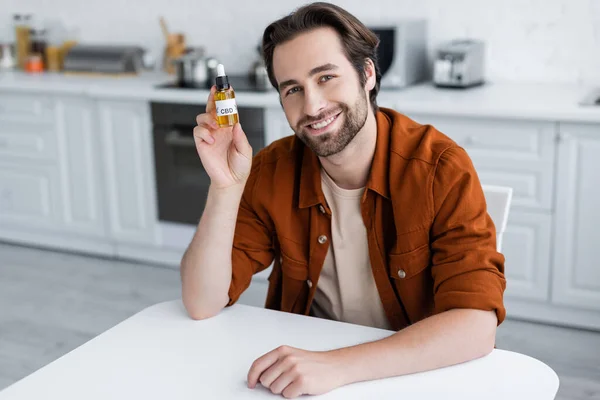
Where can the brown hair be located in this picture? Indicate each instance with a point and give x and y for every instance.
(358, 41)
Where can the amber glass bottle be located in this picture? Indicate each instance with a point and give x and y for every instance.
(227, 113)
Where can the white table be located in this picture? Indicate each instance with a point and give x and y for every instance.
(160, 353)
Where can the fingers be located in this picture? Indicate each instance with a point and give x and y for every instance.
(204, 134)
(260, 365)
(241, 141)
(210, 105)
(282, 382)
(293, 390)
(207, 120)
(207, 125)
(273, 373)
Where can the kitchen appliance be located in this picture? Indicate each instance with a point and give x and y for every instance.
(191, 68)
(258, 72)
(212, 65)
(402, 53)
(181, 181)
(459, 64)
(104, 59)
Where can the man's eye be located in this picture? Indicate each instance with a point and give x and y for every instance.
(325, 78)
(293, 90)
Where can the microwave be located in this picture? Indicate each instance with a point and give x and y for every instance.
(402, 53)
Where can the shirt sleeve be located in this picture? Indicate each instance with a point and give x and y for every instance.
(253, 239)
(467, 270)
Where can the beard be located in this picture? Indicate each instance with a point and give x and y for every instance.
(330, 143)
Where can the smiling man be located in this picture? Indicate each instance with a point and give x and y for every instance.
(369, 217)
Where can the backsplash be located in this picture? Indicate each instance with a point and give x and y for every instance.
(527, 40)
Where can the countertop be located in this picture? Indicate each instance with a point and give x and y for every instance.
(538, 101)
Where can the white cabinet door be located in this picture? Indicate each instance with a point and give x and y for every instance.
(79, 164)
(526, 247)
(576, 268)
(129, 170)
(29, 197)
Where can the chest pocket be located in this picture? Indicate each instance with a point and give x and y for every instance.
(410, 273)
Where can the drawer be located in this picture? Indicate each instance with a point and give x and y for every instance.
(519, 154)
(26, 108)
(29, 196)
(28, 140)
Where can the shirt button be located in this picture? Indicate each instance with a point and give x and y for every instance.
(401, 274)
(322, 209)
(322, 239)
(309, 283)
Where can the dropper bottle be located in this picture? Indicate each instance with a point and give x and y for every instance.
(227, 112)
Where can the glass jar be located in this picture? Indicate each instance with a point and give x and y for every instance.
(22, 25)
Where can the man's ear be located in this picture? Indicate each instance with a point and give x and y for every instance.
(370, 74)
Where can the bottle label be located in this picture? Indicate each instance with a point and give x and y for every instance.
(226, 107)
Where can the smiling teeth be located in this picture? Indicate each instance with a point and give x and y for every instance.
(322, 124)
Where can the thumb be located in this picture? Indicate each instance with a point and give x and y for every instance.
(240, 141)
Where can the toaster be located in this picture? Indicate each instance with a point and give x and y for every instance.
(459, 64)
(104, 59)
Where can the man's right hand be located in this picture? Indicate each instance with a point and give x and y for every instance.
(225, 152)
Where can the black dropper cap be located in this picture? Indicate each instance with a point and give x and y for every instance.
(222, 80)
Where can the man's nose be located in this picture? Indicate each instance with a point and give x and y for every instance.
(314, 102)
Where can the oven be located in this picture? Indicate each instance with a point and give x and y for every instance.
(181, 181)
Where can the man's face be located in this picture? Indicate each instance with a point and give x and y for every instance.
(320, 91)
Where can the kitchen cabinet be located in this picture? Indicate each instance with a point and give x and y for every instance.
(50, 183)
(49, 158)
(81, 186)
(576, 280)
(30, 198)
(26, 107)
(128, 169)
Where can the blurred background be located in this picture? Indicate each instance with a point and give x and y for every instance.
(548, 41)
(101, 187)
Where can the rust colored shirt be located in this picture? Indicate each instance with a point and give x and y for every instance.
(432, 244)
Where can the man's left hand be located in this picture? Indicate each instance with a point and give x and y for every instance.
(293, 372)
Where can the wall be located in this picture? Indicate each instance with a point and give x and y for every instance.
(529, 40)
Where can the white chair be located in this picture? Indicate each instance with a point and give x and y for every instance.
(498, 199)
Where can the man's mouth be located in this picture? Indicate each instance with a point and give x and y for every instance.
(324, 123)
